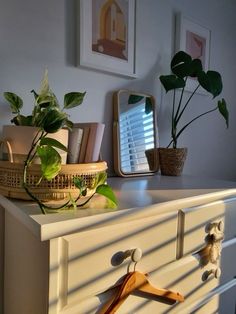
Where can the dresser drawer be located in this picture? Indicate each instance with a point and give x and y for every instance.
(88, 259)
(228, 261)
(194, 222)
(221, 300)
(183, 276)
(227, 299)
(214, 295)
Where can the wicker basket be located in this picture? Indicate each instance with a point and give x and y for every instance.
(152, 155)
(172, 160)
(11, 177)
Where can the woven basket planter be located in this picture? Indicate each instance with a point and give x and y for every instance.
(153, 159)
(11, 178)
(172, 160)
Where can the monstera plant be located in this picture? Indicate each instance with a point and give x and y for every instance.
(183, 68)
(49, 117)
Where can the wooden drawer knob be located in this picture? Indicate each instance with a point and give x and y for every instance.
(216, 272)
(135, 254)
(219, 225)
(119, 257)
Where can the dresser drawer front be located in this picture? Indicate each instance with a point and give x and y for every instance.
(227, 261)
(196, 220)
(227, 300)
(183, 276)
(89, 257)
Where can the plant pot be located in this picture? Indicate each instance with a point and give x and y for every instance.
(59, 188)
(152, 155)
(172, 160)
(21, 137)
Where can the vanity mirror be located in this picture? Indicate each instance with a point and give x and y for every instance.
(135, 134)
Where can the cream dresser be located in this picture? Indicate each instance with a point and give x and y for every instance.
(64, 263)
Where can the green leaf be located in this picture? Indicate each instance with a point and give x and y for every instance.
(171, 82)
(16, 103)
(181, 64)
(73, 202)
(180, 57)
(45, 101)
(106, 191)
(223, 110)
(211, 81)
(27, 121)
(148, 105)
(80, 184)
(69, 124)
(84, 191)
(38, 117)
(195, 67)
(53, 120)
(52, 142)
(133, 99)
(50, 161)
(73, 99)
(22, 120)
(44, 88)
(101, 178)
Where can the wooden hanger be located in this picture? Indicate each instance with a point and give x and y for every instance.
(136, 281)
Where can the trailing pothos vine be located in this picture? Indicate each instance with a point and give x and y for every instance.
(48, 117)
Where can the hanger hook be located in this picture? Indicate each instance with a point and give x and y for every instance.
(128, 268)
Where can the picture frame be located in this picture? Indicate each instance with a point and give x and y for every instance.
(194, 39)
(107, 36)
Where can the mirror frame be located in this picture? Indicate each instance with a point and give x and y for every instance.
(116, 133)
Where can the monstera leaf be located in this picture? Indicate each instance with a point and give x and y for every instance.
(171, 82)
(224, 111)
(211, 81)
(182, 65)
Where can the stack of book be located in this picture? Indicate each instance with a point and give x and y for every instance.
(85, 141)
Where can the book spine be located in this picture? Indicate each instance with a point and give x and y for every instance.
(75, 139)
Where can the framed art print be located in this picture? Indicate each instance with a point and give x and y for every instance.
(195, 40)
(107, 36)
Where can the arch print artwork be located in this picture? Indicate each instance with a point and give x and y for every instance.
(107, 35)
(110, 24)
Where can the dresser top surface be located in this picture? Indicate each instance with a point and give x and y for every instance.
(138, 197)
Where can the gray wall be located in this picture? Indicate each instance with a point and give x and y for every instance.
(37, 34)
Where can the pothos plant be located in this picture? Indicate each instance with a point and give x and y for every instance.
(49, 117)
(184, 67)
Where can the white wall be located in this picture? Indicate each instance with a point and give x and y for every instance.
(37, 34)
